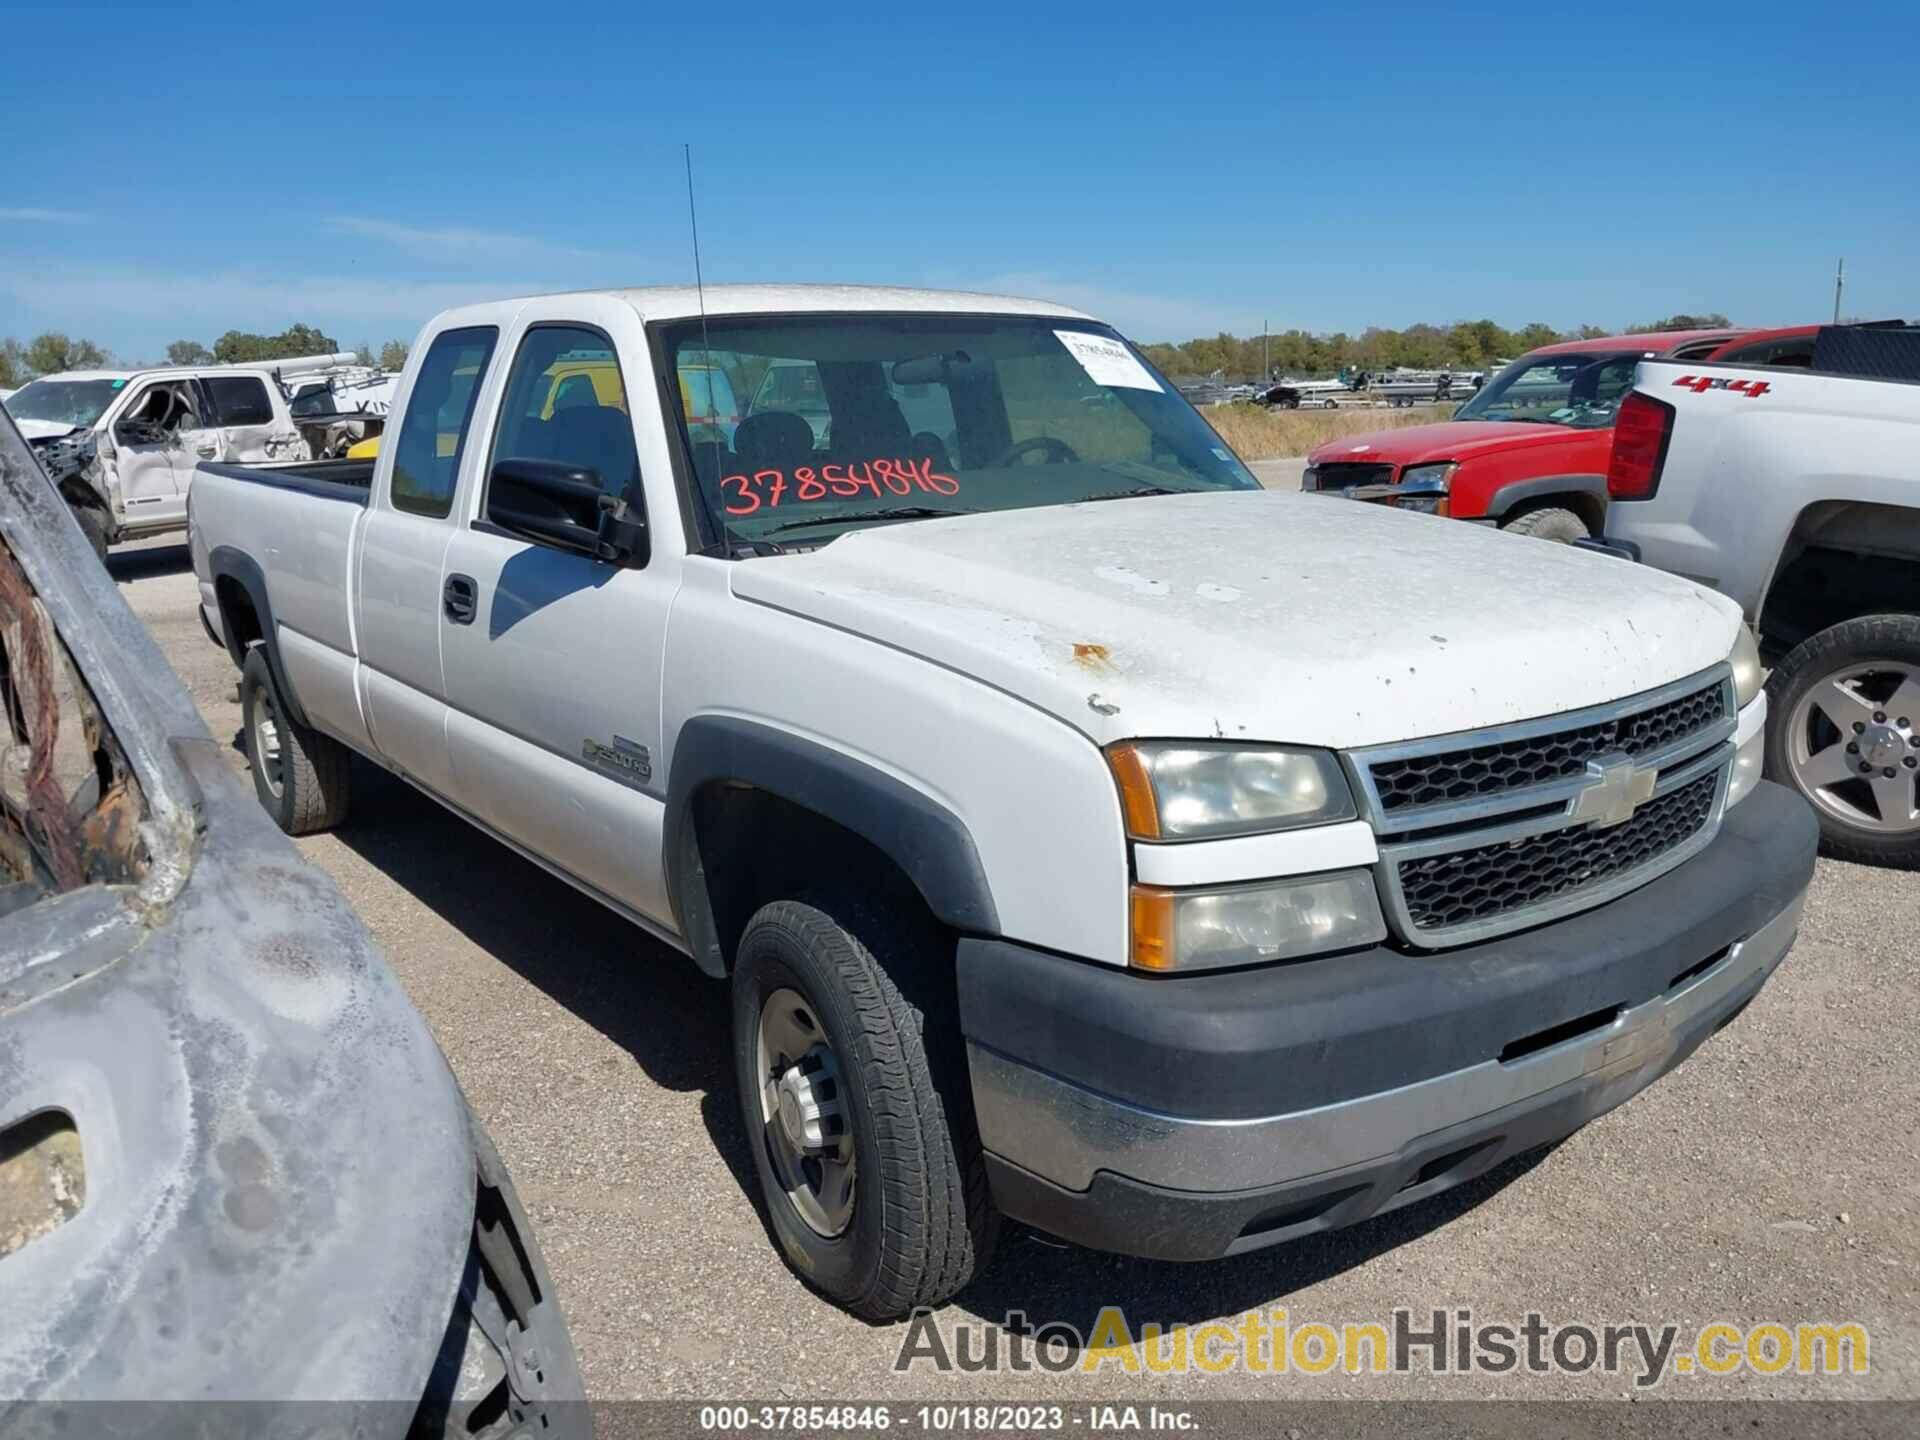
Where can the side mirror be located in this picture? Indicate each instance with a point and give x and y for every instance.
(561, 504)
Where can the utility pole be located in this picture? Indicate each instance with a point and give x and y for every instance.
(1839, 284)
(1266, 362)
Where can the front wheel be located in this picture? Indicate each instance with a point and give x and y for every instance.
(93, 525)
(863, 1142)
(1551, 523)
(1843, 729)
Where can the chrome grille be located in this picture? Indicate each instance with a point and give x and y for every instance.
(1345, 474)
(1461, 886)
(1536, 759)
(1486, 832)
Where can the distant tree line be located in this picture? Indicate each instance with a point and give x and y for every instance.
(1465, 345)
(46, 354)
(52, 352)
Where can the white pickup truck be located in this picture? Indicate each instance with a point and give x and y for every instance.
(121, 445)
(1088, 835)
(1797, 494)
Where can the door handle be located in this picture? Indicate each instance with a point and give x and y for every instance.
(457, 597)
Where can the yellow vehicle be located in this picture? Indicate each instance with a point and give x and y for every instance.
(569, 379)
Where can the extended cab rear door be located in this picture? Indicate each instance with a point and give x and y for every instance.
(553, 658)
(409, 522)
(251, 428)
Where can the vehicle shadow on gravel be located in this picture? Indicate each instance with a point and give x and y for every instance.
(1047, 1281)
(673, 1021)
(149, 561)
(646, 998)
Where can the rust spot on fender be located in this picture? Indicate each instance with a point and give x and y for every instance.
(1094, 657)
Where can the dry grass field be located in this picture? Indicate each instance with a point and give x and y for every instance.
(1257, 434)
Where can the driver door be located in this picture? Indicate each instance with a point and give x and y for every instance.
(146, 441)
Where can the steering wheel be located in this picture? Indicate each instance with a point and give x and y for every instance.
(1058, 452)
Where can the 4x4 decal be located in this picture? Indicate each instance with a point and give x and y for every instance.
(1700, 384)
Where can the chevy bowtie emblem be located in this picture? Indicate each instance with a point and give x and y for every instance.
(1615, 788)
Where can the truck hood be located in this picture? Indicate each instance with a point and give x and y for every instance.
(1449, 440)
(1256, 615)
(44, 429)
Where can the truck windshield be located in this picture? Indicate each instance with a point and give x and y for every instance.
(64, 402)
(1581, 391)
(869, 419)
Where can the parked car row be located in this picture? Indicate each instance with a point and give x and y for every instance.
(120, 445)
(1786, 488)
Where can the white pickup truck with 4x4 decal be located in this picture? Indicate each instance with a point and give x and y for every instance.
(1797, 494)
(1088, 835)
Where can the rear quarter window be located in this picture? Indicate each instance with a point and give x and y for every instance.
(239, 400)
(433, 432)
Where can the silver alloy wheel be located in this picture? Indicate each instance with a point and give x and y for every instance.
(1853, 742)
(266, 739)
(803, 1114)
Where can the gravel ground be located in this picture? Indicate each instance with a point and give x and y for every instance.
(1771, 1178)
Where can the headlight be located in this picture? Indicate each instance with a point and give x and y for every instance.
(1750, 752)
(1175, 791)
(1177, 930)
(1427, 479)
(1748, 677)
(1424, 488)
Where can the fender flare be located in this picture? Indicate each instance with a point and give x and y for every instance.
(928, 841)
(1501, 503)
(224, 562)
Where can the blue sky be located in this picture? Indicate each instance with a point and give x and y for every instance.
(1178, 170)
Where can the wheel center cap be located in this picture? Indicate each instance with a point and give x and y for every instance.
(1882, 744)
(792, 1108)
(807, 1114)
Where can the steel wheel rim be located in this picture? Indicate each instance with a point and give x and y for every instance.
(267, 742)
(804, 1122)
(1853, 746)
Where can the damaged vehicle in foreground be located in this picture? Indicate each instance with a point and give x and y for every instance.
(236, 1174)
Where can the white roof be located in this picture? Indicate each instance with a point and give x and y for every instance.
(683, 302)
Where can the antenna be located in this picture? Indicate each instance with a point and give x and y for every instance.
(706, 344)
(1839, 284)
(699, 284)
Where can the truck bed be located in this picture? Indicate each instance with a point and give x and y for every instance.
(350, 480)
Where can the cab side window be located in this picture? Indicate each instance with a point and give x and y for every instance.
(239, 400)
(566, 402)
(164, 410)
(433, 432)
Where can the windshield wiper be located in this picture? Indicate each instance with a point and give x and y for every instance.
(1130, 494)
(895, 512)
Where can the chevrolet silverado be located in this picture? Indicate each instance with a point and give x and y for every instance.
(1086, 834)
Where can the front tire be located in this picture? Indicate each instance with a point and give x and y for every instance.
(1843, 728)
(861, 1128)
(1550, 523)
(300, 775)
(93, 525)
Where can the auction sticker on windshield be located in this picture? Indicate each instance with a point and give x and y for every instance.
(1107, 362)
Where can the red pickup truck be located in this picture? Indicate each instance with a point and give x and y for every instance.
(1527, 453)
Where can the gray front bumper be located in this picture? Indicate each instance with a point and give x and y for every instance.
(1066, 1134)
(1191, 1117)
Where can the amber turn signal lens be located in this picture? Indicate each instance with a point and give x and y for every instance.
(1136, 792)
(1151, 914)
